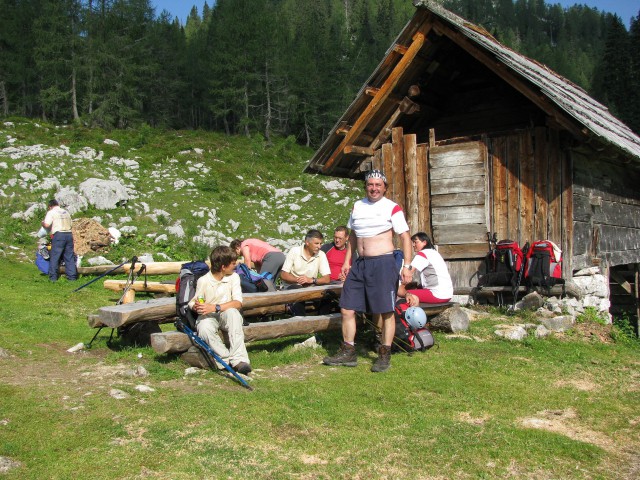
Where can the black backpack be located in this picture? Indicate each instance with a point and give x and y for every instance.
(406, 339)
(503, 264)
(186, 289)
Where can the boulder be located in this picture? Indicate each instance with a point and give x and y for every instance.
(531, 301)
(511, 332)
(104, 194)
(558, 324)
(71, 200)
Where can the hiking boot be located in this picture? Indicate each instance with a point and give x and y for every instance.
(383, 362)
(346, 357)
(243, 368)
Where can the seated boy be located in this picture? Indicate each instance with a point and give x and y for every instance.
(217, 302)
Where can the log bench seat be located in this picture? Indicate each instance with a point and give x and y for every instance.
(163, 310)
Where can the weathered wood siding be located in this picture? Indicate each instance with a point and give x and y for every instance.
(606, 199)
(529, 189)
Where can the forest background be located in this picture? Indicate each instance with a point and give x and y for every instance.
(274, 67)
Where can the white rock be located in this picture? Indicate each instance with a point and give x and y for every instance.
(94, 261)
(128, 229)
(513, 332)
(284, 228)
(73, 201)
(104, 194)
(144, 388)
(587, 271)
(192, 370)
(118, 394)
(333, 185)
(176, 230)
(108, 141)
(234, 225)
(597, 285)
(76, 348)
(161, 238)
(541, 331)
(146, 258)
(115, 235)
(28, 177)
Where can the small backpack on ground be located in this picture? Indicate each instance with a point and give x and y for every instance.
(544, 264)
(503, 264)
(408, 339)
(252, 282)
(186, 289)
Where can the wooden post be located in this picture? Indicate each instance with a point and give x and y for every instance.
(411, 181)
(424, 197)
(396, 180)
(637, 297)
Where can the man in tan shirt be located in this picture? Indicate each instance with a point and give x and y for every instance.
(58, 222)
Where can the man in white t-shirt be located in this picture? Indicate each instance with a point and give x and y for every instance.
(371, 282)
(58, 222)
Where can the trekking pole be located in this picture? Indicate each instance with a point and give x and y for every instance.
(130, 281)
(133, 262)
(180, 325)
(516, 288)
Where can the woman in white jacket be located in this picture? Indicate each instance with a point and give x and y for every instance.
(435, 281)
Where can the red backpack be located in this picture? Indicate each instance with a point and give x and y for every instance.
(544, 264)
(503, 263)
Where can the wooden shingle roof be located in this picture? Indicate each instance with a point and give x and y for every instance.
(384, 100)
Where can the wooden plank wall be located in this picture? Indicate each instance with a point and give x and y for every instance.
(528, 181)
(458, 214)
(606, 201)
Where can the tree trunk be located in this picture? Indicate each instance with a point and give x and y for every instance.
(4, 99)
(74, 102)
(267, 122)
(246, 109)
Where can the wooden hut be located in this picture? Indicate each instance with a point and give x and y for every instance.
(476, 138)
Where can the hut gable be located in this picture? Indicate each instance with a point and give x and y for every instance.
(478, 139)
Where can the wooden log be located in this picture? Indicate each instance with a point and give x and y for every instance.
(163, 310)
(153, 268)
(452, 320)
(176, 342)
(195, 358)
(152, 287)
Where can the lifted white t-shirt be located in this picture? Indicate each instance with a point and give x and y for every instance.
(369, 219)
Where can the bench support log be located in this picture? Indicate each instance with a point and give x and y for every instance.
(177, 342)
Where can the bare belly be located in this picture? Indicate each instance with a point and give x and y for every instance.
(378, 245)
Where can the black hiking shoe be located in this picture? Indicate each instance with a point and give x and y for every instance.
(346, 357)
(243, 368)
(383, 362)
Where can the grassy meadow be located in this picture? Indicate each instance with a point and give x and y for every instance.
(475, 406)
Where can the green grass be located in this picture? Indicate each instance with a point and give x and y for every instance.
(456, 411)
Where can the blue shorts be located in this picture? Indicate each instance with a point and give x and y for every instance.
(372, 285)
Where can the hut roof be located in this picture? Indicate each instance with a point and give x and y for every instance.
(365, 124)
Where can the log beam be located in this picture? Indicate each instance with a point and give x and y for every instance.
(376, 102)
(177, 342)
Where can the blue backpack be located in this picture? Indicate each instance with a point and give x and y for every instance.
(251, 281)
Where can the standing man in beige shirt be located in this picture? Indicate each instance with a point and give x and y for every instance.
(57, 222)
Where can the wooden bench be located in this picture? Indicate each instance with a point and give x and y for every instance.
(139, 286)
(163, 310)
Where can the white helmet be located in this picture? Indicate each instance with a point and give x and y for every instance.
(415, 317)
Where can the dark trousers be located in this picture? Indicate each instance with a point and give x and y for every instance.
(62, 249)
